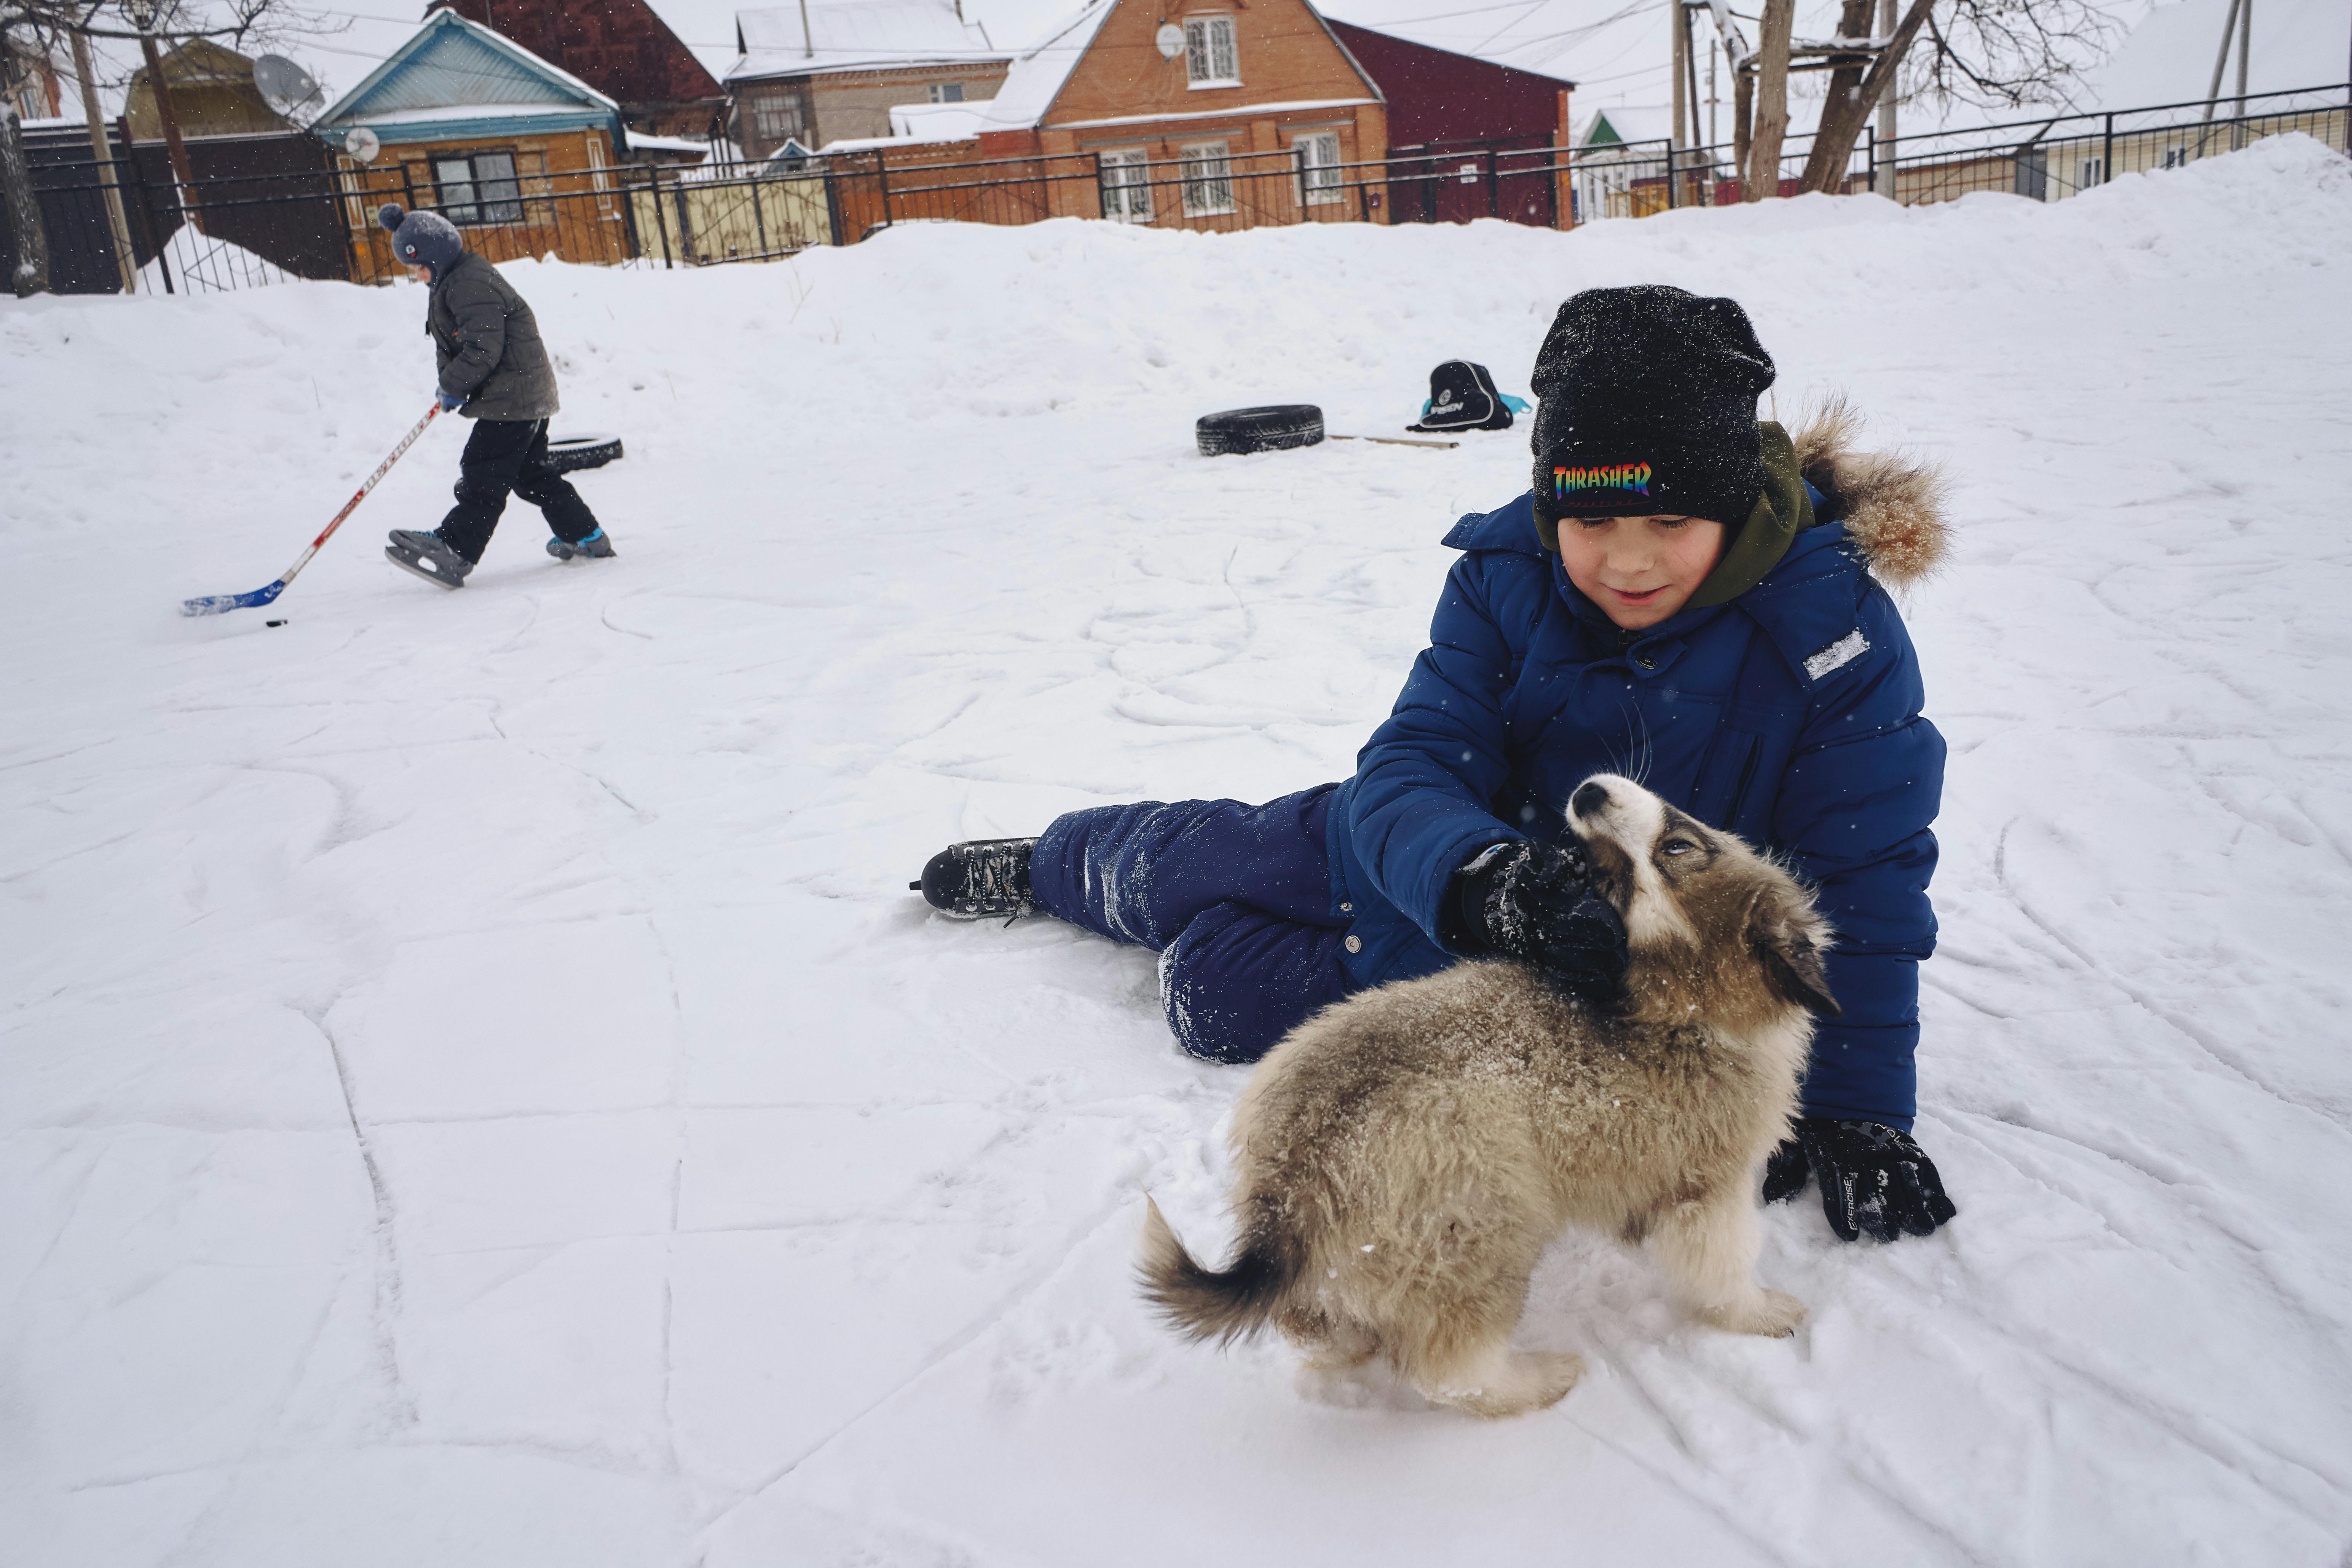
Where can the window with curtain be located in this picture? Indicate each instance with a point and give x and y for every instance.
(477, 187)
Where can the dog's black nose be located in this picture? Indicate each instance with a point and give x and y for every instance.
(1588, 798)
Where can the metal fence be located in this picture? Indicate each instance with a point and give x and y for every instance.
(1222, 193)
(245, 231)
(268, 214)
(2063, 155)
(2047, 159)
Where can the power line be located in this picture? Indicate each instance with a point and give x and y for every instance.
(803, 49)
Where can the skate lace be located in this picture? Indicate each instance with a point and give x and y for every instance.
(991, 877)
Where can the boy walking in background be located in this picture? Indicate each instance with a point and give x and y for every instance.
(493, 370)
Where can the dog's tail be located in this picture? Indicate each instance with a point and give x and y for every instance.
(1225, 1307)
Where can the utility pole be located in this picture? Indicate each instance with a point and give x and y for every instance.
(1690, 69)
(2221, 61)
(116, 224)
(1681, 49)
(1711, 55)
(2246, 50)
(1887, 121)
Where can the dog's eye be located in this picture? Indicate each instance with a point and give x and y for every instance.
(1677, 846)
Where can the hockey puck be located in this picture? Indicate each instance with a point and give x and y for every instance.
(1267, 429)
(273, 622)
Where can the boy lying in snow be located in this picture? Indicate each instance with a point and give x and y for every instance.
(1686, 595)
(494, 371)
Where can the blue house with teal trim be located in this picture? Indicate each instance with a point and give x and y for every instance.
(460, 119)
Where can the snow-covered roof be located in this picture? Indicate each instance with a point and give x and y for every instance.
(1039, 71)
(707, 28)
(791, 155)
(443, 113)
(638, 139)
(937, 121)
(457, 77)
(825, 36)
(1626, 122)
(1564, 39)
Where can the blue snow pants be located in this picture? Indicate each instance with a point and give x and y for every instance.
(1237, 899)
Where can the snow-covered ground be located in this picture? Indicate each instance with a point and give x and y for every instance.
(473, 1087)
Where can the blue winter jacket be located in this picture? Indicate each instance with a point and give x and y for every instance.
(1789, 715)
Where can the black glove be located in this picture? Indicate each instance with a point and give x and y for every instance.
(1536, 901)
(1873, 1179)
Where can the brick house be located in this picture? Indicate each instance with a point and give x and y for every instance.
(651, 62)
(1222, 116)
(832, 70)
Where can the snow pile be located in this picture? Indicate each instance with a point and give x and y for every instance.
(474, 1087)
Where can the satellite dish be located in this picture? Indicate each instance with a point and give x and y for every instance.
(286, 87)
(1171, 39)
(360, 144)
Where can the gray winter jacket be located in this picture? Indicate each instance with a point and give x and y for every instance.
(485, 341)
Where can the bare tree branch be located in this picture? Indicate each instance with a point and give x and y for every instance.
(2006, 54)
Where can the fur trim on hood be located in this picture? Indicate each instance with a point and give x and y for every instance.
(1892, 507)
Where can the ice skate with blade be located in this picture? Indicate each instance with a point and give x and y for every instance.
(598, 546)
(429, 556)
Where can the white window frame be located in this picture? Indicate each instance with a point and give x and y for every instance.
(1126, 194)
(1318, 175)
(947, 92)
(1208, 171)
(1213, 52)
(597, 177)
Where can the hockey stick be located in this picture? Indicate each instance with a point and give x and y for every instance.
(221, 603)
(1396, 441)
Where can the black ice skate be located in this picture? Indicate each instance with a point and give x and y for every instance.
(974, 881)
(428, 555)
(598, 546)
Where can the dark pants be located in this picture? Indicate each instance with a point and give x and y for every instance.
(1235, 898)
(504, 455)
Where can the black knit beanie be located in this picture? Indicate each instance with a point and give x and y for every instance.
(1648, 406)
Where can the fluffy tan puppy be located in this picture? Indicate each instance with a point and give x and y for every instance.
(1404, 1158)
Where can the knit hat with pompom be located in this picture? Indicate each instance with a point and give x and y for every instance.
(422, 240)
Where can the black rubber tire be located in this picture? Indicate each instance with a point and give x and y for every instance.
(567, 453)
(1267, 429)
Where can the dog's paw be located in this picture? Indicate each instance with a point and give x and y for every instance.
(1513, 1384)
(1366, 1386)
(1774, 1314)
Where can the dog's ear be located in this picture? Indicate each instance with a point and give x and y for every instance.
(1789, 941)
